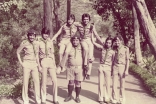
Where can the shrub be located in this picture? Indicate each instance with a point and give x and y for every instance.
(146, 77)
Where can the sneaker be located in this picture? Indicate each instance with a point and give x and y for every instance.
(101, 102)
(67, 98)
(88, 77)
(43, 103)
(77, 99)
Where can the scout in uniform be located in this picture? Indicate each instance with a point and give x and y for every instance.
(75, 68)
(30, 64)
(105, 69)
(86, 31)
(120, 69)
(47, 61)
(66, 31)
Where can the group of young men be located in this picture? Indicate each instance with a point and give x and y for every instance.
(76, 56)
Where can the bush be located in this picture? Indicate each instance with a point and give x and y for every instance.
(146, 77)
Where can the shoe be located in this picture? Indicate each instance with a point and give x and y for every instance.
(101, 102)
(115, 102)
(77, 99)
(68, 99)
(43, 103)
(88, 77)
(56, 102)
(107, 101)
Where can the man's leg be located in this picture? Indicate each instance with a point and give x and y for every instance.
(54, 80)
(61, 51)
(107, 74)
(35, 75)
(101, 84)
(90, 60)
(85, 52)
(70, 90)
(77, 90)
(26, 74)
(43, 84)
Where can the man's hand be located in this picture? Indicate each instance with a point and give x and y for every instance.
(58, 70)
(39, 68)
(63, 69)
(125, 74)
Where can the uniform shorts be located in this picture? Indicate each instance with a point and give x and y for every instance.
(64, 41)
(118, 69)
(75, 73)
(48, 63)
(104, 67)
(30, 64)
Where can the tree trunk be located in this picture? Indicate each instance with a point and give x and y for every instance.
(55, 12)
(137, 39)
(68, 7)
(48, 16)
(146, 23)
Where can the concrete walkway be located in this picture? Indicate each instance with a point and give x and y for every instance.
(135, 94)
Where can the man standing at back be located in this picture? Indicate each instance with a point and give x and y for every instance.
(30, 64)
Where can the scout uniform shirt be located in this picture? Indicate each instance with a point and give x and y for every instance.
(121, 55)
(45, 48)
(107, 57)
(68, 31)
(85, 31)
(30, 50)
(75, 56)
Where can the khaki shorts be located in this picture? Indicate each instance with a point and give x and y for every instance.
(75, 73)
(64, 41)
(118, 69)
(48, 63)
(29, 64)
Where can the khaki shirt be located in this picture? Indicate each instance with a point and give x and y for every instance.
(28, 49)
(107, 59)
(68, 31)
(42, 48)
(122, 56)
(85, 31)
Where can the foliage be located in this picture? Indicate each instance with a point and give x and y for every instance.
(146, 77)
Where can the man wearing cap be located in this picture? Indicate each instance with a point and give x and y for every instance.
(74, 68)
(47, 61)
(30, 64)
(86, 31)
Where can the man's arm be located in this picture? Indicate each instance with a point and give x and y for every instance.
(127, 61)
(57, 34)
(19, 49)
(96, 34)
(37, 56)
(113, 57)
(96, 44)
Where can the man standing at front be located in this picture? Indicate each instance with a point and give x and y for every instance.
(75, 68)
(47, 62)
(30, 64)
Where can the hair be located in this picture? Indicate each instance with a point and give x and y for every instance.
(31, 31)
(72, 16)
(85, 15)
(109, 38)
(118, 37)
(74, 37)
(45, 31)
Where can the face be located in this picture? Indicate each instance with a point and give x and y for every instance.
(118, 42)
(45, 36)
(108, 43)
(70, 21)
(86, 20)
(31, 37)
(75, 42)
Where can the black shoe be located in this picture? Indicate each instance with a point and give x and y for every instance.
(56, 102)
(77, 99)
(68, 99)
(88, 77)
(43, 103)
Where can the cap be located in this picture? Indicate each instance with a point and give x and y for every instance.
(31, 31)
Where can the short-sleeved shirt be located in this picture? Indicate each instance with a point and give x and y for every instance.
(122, 55)
(85, 31)
(75, 56)
(107, 58)
(43, 53)
(29, 49)
(68, 31)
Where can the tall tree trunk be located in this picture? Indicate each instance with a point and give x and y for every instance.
(146, 23)
(68, 7)
(55, 12)
(48, 16)
(137, 39)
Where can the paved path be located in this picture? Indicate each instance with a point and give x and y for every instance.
(135, 94)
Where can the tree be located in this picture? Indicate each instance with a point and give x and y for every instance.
(138, 53)
(146, 23)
